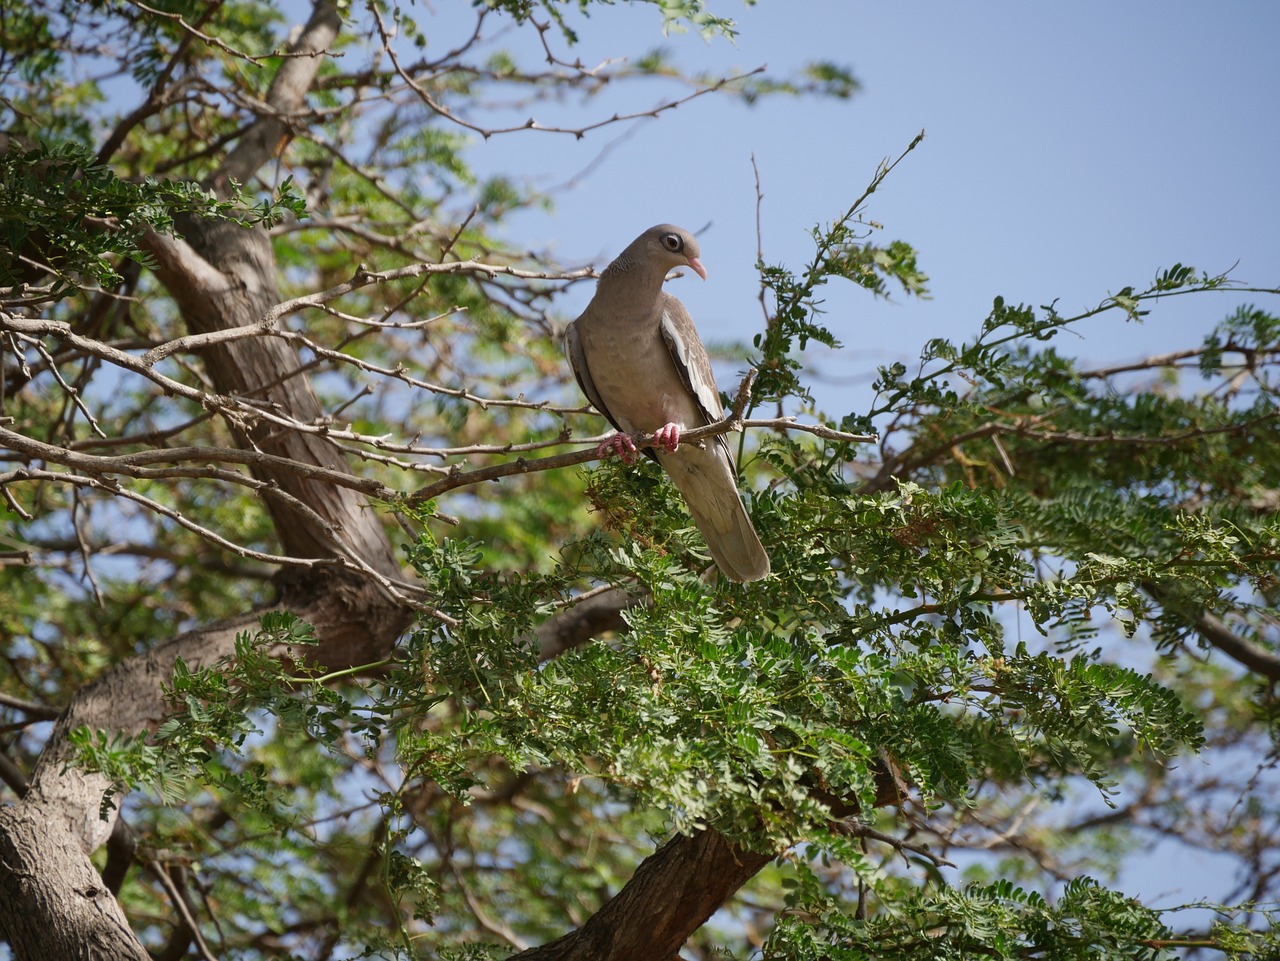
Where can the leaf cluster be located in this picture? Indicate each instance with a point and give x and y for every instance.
(998, 921)
(64, 210)
(962, 616)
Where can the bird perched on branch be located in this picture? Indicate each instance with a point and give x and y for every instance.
(639, 360)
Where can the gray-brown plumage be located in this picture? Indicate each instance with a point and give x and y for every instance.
(639, 360)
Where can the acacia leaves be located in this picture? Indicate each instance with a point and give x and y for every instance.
(677, 15)
(62, 209)
(945, 618)
(996, 921)
(976, 636)
(842, 249)
(738, 707)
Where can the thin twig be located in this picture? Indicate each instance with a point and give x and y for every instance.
(180, 904)
(37, 712)
(902, 846)
(135, 464)
(345, 558)
(460, 478)
(532, 124)
(214, 41)
(495, 928)
(362, 278)
(77, 525)
(67, 389)
(755, 169)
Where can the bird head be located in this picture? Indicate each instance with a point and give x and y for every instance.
(675, 247)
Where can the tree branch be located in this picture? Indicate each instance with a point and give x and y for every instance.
(731, 421)
(435, 106)
(362, 278)
(1214, 630)
(672, 893)
(585, 620)
(677, 888)
(267, 137)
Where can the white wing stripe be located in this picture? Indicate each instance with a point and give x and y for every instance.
(697, 376)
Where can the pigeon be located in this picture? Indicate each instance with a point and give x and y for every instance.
(638, 358)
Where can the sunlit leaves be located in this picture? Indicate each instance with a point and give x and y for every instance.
(1246, 332)
(820, 77)
(61, 207)
(677, 15)
(952, 609)
(842, 250)
(998, 920)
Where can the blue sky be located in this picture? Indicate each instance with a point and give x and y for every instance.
(1070, 150)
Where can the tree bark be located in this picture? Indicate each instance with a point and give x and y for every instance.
(670, 896)
(582, 622)
(678, 887)
(55, 905)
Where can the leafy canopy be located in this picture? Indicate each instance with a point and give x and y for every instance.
(954, 656)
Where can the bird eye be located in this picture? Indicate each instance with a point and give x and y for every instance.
(672, 242)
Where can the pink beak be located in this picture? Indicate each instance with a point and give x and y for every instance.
(698, 269)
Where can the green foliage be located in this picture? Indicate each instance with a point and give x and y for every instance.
(1246, 331)
(773, 712)
(842, 250)
(409, 878)
(820, 77)
(28, 42)
(213, 710)
(677, 15)
(962, 618)
(998, 921)
(727, 706)
(61, 207)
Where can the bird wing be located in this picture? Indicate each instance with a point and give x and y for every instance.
(582, 373)
(690, 358)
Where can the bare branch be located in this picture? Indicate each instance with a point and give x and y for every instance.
(194, 31)
(179, 901)
(37, 712)
(134, 464)
(160, 94)
(496, 928)
(459, 478)
(902, 845)
(286, 95)
(363, 278)
(1261, 661)
(532, 124)
(399, 592)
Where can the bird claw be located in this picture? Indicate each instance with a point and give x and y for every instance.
(667, 437)
(620, 444)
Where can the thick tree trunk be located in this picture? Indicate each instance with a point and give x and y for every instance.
(670, 896)
(238, 290)
(54, 904)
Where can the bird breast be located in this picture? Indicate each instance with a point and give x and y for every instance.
(630, 389)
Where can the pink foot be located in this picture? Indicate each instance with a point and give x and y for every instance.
(620, 444)
(667, 437)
